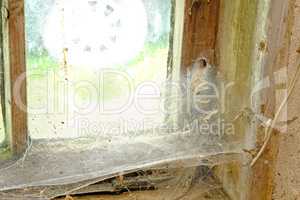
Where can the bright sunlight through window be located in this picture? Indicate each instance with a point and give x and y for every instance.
(90, 63)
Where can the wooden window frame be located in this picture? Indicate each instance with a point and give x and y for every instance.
(200, 30)
(14, 64)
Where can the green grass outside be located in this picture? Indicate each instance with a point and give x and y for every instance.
(146, 66)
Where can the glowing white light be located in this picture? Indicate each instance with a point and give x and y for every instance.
(96, 33)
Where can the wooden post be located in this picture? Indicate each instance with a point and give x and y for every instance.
(251, 42)
(277, 49)
(16, 115)
(200, 30)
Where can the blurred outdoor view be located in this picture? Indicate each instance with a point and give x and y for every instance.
(89, 56)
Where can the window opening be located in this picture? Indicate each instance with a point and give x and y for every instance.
(87, 61)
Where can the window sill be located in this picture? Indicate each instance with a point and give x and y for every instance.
(62, 162)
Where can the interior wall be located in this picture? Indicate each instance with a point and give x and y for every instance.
(287, 177)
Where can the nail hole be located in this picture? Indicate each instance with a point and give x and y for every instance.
(203, 63)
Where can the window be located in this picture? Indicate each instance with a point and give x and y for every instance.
(87, 61)
(87, 55)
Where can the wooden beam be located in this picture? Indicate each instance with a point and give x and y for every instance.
(199, 38)
(277, 54)
(236, 43)
(200, 30)
(17, 68)
(251, 42)
(2, 63)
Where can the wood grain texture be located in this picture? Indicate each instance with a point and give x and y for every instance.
(2, 77)
(278, 44)
(235, 44)
(288, 161)
(251, 42)
(16, 31)
(200, 30)
(199, 191)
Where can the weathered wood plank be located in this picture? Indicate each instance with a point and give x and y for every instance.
(236, 43)
(250, 42)
(2, 86)
(276, 59)
(200, 30)
(17, 65)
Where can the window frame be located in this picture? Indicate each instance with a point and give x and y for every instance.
(14, 66)
(199, 30)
